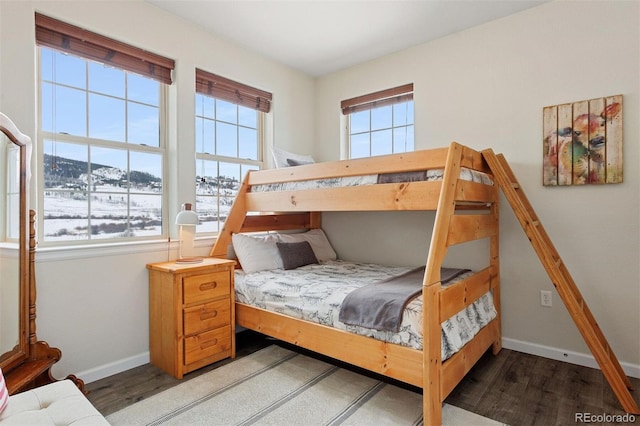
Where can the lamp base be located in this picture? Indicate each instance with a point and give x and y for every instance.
(189, 260)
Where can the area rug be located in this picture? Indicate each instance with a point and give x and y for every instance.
(276, 386)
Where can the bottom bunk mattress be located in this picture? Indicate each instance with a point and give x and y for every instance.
(315, 293)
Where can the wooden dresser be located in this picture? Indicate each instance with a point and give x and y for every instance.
(191, 314)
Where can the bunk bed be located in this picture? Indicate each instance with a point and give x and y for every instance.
(453, 181)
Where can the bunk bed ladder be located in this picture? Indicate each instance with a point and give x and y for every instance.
(562, 281)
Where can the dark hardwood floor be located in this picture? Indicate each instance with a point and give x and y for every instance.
(512, 387)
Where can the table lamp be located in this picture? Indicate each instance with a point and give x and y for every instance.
(186, 217)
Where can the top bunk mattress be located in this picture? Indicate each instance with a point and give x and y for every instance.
(315, 293)
(373, 179)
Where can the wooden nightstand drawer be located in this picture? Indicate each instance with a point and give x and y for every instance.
(207, 344)
(204, 317)
(198, 288)
(191, 314)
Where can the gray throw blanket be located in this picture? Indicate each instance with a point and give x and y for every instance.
(401, 177)
(379, 305)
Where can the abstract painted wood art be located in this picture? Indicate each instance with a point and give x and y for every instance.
(583, 142)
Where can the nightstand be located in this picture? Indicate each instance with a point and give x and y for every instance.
(191, 314)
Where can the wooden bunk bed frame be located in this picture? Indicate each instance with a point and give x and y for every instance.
(465, 211)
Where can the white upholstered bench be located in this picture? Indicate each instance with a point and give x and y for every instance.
(58, 403)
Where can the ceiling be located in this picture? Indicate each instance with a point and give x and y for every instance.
(319, 37)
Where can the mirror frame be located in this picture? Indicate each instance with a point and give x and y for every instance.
(13, 358)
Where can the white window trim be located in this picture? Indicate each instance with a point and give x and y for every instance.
(345, 143)
(263, 123)
(39, 174)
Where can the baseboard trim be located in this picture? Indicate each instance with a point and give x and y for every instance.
(121, 365)
(115, 367)
(585, 360)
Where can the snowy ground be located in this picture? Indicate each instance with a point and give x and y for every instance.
(67, 214)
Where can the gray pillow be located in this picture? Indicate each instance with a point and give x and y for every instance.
(295, 255)
(292, 162)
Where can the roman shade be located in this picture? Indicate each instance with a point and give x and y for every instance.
(232, 91)
(385, 97)
(86, 44)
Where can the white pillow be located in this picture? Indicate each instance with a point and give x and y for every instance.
(284, 158)
(257, 253)
(318, 241)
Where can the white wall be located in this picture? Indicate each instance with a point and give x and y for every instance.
(486, 87)
(9, 299)
(93, 302)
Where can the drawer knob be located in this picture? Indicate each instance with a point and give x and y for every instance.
(208, 314)
(208, 286)
(208, 343)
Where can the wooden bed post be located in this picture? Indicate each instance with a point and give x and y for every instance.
(432, 340)
(494, 262)
(234, 222)
(315, 220)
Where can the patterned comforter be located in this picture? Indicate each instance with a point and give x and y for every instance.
(428, 176)
(315, 292)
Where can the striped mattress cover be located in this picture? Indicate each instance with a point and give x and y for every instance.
(425, 176)
(315, 292)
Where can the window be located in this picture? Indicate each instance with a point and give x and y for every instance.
(229, 136)
(101, 138)
(380, 123)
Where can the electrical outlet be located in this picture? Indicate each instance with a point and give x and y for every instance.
(545, 298)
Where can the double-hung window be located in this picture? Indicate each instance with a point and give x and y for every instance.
(101, 136)
(380, 123)
(229, 120)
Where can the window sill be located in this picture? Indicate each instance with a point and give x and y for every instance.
(55, 253)
(207, 241)
(49, 254)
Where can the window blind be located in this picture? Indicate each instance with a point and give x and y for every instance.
(385, 97)
(232, 91)
(80, 42)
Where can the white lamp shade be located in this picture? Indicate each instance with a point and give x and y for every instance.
(187, 216)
